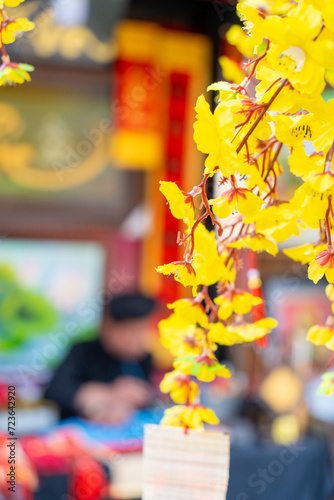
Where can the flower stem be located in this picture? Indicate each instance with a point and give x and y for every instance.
(206, 214)
(328, 229)
(3, 49)
(261, 115)
(255, 62)
(329, 157)
(273, 161)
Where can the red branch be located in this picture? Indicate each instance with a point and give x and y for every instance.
(327, 224)
(329, 158)
(255, 62)
(261, 115)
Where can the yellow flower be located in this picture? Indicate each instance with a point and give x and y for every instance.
(183, 272)
(253, 177)
(242, 199)
(330, 344)
(327, 384)
(303, 165)
(327, 11)
(329, 77)
(305, 253)
(10, 3)
(11, 26)
(204, 367)
(235, 301)
(236, 36)
(322, 265)
(212, 134)
(320, 334)
(252, 19)
(180, 337)
(322, 182)
(190, 311)
(191, 417)
(180, 205)
(239, 333)
(14, 73)
(297, 52)
(257, 242)
(293, 130)
(309, 205)
(324, 137)
(231, 70)
(180, 386)
(268, 85)
(245, 118)
(277, 221)
(270, 6)
(288, 100)
(330, 294)
(208, 264)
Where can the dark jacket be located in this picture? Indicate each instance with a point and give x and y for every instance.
(89, 362)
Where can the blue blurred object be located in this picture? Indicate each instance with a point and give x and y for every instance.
(129, 431)
(269, 472)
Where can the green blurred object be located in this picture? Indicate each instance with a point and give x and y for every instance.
(23, 313)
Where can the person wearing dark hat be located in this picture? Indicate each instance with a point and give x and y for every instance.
(105, 379)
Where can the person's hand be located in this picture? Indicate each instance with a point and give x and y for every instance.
(114, 401)
(90, 397)
(132, 390)
(112, 414)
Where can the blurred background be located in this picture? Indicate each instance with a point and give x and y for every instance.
(109, 112)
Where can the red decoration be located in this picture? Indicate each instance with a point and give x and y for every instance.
(89, 480)
(255, 287)
(174, 160)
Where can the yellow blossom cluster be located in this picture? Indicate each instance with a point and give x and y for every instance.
(273, 100)
(12, 72)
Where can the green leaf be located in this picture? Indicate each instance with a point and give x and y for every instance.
(26, 67)
(261, 48)
(324, 388)
(195, 369)
(189, 357)
(220, 86)
(328, 375)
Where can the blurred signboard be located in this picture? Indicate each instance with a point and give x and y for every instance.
(160, 73)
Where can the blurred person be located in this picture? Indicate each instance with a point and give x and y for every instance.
(106, 379)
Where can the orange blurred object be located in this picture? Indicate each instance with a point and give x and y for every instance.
(26, 480)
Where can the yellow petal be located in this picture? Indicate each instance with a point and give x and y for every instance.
(319, 334)
(222, 207)
(330, 292)
(315, 272)
(257, 243)
(330, 345)
(11, 3)
(329, 273)
(231, 70)
(176, 199)
(210, 417)
(250, 205)
(190, 312)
